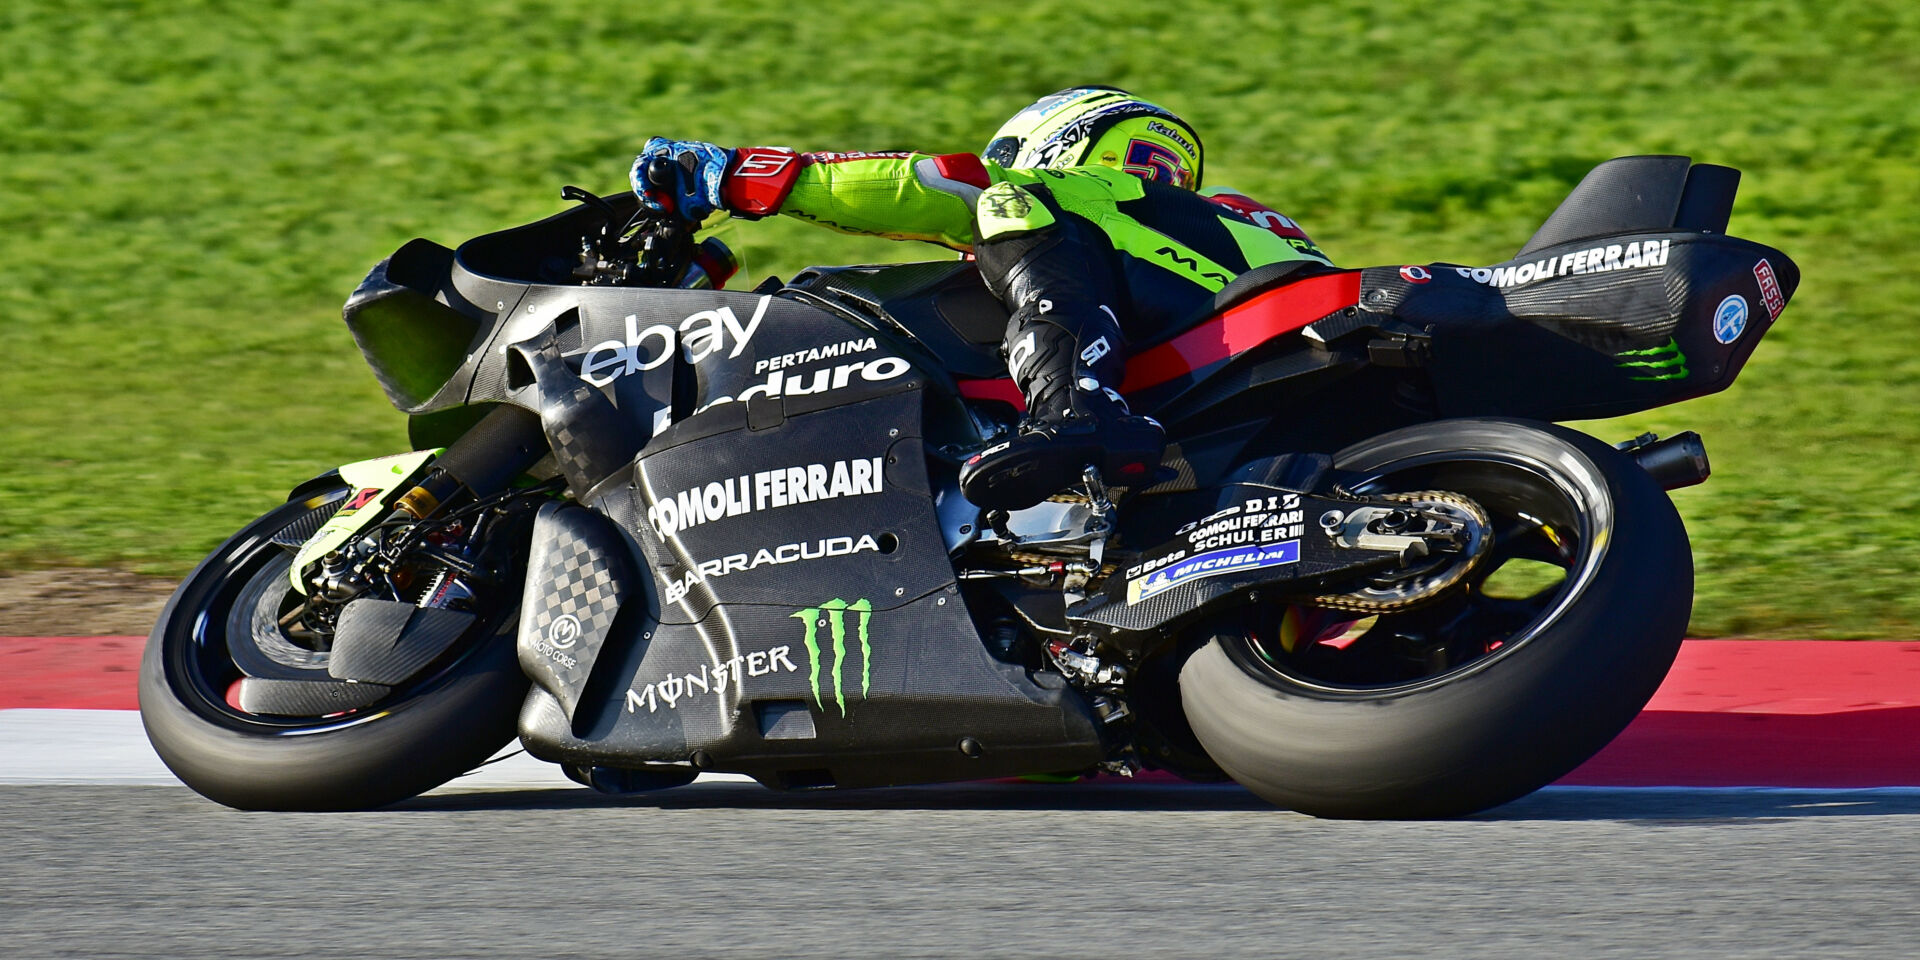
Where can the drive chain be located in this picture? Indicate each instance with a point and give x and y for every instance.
(1351, 603)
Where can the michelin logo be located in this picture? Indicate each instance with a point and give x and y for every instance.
(1212, 565)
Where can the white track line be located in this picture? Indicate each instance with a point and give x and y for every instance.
(110, 747)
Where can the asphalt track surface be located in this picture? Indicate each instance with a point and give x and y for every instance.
(731, 870)
(103, 854)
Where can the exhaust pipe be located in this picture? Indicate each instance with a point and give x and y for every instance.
(1678, 461)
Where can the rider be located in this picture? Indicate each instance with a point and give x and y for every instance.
(1082, 217)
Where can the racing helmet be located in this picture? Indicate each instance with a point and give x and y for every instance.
(1083, 126)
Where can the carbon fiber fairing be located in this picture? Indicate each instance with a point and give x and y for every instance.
(1595, 328)
(799, 568)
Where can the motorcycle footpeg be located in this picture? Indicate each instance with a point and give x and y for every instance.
(1023, 471)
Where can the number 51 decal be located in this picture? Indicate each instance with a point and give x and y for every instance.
(1151, 161)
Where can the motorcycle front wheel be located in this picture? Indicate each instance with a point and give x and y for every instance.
(1500, 686)
(302, 740)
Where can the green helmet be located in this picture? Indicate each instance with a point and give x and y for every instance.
(1082, 126)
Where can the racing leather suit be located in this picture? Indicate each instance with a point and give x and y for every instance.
(1087, 259)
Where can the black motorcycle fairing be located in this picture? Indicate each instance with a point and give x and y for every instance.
(775, 640)
(829, 694)
(414, 329)
(1587, 329)
(1640, 194)
(942, 304)
(832, 502)
(784, 540)
(589, 437)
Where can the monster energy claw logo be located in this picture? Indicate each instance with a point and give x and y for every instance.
(832, 615)
(1664, 362)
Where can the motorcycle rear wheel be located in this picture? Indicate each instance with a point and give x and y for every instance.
(412, 739)
(1475, 699)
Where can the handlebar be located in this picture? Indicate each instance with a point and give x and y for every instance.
(650, 248)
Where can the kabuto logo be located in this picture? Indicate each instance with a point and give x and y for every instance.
(1170, 133)
(698, 337)
(832, 617)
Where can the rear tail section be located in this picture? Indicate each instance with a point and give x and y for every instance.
(1630, 296)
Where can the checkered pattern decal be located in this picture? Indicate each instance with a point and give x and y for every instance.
(578, 576)
(589, 437)
(580, 584)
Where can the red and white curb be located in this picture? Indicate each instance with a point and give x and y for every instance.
(1732, 713)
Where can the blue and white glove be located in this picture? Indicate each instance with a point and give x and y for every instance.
(680, 176)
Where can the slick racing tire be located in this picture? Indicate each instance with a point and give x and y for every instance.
(1487, 692)
(408, 740)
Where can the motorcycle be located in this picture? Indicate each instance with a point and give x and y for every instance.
(653, 527)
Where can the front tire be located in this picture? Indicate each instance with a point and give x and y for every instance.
(412, 739)
(1512, 693)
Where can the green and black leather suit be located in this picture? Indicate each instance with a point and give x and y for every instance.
(1087, 259)
(1169, 249)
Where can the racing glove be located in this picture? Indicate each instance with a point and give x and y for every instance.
(694, 178)
(680, 176)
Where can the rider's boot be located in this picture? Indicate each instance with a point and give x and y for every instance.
(1075, 417)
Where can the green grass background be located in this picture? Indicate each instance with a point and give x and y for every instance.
(188, 190)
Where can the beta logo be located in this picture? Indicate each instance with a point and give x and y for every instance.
(1730, 319)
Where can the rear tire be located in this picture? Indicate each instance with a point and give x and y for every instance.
(417, 737)
(1562, 675)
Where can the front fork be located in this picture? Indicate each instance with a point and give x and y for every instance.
(412, 486)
